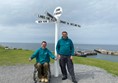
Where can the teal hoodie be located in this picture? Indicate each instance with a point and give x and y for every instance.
(42, 55)
(65, 47)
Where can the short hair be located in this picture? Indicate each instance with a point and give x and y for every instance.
(44, 42)
(64, 32)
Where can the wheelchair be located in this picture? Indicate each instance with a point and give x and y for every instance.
(36, 78)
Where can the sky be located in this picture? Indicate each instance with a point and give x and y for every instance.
(98, 20)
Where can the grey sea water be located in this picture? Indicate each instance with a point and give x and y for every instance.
(35, 46)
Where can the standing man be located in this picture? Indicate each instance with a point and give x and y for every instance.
(42, 56)
(65, 51)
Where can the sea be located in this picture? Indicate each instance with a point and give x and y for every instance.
(81, 47)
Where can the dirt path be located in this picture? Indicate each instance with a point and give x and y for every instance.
(84, 74)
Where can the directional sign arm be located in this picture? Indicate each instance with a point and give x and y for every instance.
(51, 16)
(42, 21)
(72, 24)
(44, 17)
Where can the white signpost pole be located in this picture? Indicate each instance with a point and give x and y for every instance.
(57, 14)
(56, 40)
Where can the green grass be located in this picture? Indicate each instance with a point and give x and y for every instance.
(15, 57)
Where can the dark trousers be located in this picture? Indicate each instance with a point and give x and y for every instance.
(65, 60)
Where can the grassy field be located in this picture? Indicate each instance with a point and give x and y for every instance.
(15, 57)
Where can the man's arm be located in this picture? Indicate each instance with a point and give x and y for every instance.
(51, 55)
(72, 48)
(58, 47)
(34, 55)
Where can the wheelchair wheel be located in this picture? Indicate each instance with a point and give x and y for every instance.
(49, 75)
(35, 75)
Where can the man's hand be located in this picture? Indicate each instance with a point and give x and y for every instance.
(30, 59)
(58, 56)
(55, 59)
(71, 57)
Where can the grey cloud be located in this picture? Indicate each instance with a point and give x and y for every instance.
(97, 18)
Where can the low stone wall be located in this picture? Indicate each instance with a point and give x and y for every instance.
(103, 51)
(85, 53)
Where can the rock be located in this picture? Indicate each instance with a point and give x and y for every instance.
(109, 52)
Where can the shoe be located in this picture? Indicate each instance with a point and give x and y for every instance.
(39, 80)
(74, 81)
(64, 78)
(42, 80)
(46, 80)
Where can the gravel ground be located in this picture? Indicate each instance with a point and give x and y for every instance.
(84, 74)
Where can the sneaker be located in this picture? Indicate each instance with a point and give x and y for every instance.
(39, 80)
(42, 79)
(46, 80)
(64, 78)
(74, 81)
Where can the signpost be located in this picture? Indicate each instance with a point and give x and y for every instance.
(57, 13)
(50, 18)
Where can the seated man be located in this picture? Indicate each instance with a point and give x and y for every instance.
(42, 56)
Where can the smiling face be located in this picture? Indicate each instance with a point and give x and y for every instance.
(43, 44)
(64, 35)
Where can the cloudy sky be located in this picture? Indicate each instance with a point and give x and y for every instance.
(98, 20)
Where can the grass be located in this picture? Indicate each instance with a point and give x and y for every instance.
(19, 56)
(14, 57)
